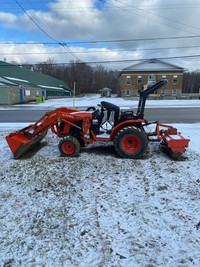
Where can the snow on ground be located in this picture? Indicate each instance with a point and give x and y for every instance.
(94, 100)
(99, 209)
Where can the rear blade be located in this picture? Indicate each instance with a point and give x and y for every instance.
(19, 143)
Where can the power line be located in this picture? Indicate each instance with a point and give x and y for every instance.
(130, 11)
(140, 9)
(89, 9)
(60, 43)
(135, 40)
(38, 26)
(105, 62)
(101, 41)
(81, 1)
(100, 51)
(41, 29)
(28, 43)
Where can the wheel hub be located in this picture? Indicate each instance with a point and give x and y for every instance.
(130, 143)
(68, 148)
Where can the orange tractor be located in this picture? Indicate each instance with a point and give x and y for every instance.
(78, 128)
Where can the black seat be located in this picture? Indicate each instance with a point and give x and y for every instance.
(111, 107)
(97, 118)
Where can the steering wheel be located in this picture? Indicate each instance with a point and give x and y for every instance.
(91, 109)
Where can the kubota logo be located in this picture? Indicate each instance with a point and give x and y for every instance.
(67, 115)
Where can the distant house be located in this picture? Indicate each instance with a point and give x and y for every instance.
(139, 76)
(19, 85)
(105, 92)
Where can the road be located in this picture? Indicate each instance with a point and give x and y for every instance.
(165, 115)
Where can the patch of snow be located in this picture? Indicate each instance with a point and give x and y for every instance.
(52, 87)
(5, 81)
(99, 209)
(16, 79)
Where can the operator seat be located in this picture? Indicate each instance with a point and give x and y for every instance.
(111, 107)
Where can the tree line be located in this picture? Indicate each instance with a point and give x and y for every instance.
(191, 82)
(87, 79)
(90, 79)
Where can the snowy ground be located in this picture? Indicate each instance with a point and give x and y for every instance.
(99, 209)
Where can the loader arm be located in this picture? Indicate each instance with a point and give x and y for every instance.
(51, 120)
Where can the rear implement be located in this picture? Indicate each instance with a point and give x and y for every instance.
(171, 141)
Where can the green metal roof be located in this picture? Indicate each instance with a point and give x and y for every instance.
(15, 75)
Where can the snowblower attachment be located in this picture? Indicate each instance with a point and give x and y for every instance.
(22, 141)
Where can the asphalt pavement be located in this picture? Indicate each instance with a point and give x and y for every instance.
(165, 115)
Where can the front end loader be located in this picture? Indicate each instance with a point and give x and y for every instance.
(77, 129)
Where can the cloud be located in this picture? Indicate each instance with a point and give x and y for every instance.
(7, 18)
(39, 53)
(67, 21)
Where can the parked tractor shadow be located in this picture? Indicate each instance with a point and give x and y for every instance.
(106, 149)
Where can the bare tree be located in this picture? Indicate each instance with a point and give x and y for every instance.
(46, 67)
(88, 79)
(191, 82)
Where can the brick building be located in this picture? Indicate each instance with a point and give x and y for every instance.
(138, 76)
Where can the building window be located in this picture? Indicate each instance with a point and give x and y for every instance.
(139, 79)
(164, 77)
(127, 92)
(174, 93)
(175, 79)
(151, 78)
(128, 79)
(162, 92)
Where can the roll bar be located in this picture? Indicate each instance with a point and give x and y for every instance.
(144, 94)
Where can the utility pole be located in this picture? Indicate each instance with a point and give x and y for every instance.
(74, 94)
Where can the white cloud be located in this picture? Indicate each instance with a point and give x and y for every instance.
(7, 18)
(39, 53)
(66, 21)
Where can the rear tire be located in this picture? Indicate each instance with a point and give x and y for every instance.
(69, 146)
(131, 142)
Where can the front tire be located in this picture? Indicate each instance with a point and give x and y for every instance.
(69, 146)
(131, 142)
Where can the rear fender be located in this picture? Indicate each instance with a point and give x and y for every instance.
(119, 126)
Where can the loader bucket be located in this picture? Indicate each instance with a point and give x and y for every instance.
(19, 143)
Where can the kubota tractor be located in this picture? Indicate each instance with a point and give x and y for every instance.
(78, 128)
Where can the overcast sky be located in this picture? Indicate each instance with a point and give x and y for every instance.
(123, 30)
